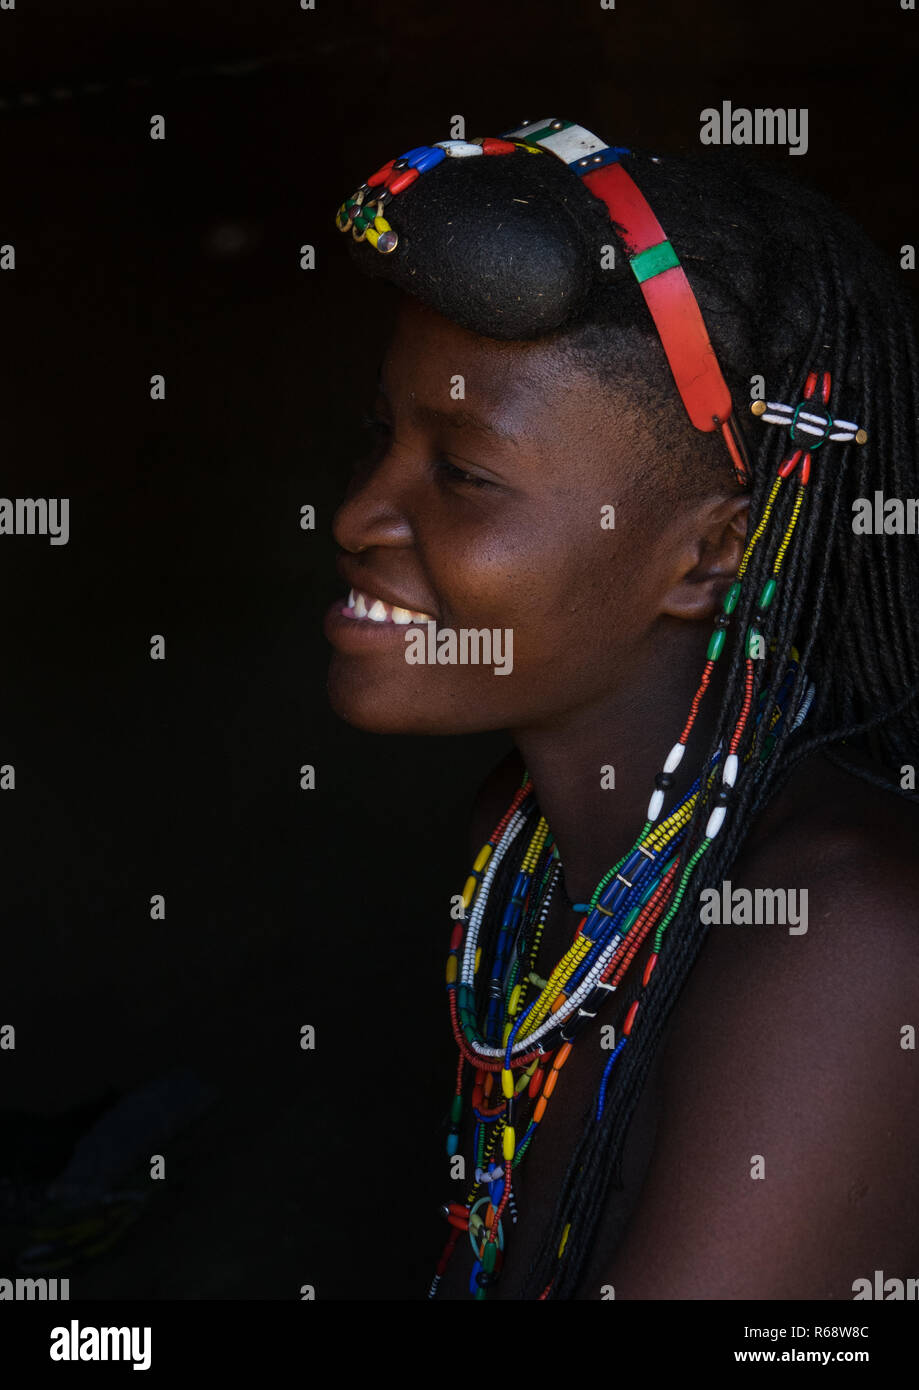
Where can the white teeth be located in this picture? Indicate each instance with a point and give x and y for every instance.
(366, 606)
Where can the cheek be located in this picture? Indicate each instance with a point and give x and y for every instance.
(566, 587)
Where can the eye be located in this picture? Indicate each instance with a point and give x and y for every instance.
(451, 473)
(379, 432)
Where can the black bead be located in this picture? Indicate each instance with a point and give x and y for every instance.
(486, 1277)
(663, 781)
(723, 797)
(723, 620)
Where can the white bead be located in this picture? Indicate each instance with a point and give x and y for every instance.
(715, 822)
(729, 775)
(459, 147)
(674, 757)
(655, 804)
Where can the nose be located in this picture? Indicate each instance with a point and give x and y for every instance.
(373, 513)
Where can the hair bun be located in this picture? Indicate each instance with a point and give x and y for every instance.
(505, 246)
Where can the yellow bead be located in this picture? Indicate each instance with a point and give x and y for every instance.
(451, 969)
(372, 236)
(469, 886)
(478, 957)
(507, 1083)
(514, 1005)
(758, 407)
(482, 858)
(564, 1239)
(509, 1143)
(381, 224)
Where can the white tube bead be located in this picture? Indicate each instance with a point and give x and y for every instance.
(674, 757)
(655, 804)
(715, 822)
(729, 775)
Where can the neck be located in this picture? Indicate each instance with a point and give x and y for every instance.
(631, 730)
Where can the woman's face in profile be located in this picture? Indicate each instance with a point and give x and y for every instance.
(482, 506)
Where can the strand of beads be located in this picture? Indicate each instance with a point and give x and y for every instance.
(616, 908)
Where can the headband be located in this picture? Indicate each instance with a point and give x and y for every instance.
(664, 286)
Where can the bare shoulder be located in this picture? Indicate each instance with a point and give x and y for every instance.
(821, 912)
(493, 798)
(789, 1120)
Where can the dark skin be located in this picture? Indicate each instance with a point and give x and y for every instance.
(785, 1046)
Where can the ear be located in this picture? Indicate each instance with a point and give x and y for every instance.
(705, 555)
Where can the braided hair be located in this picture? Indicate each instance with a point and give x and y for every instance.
(787, 284)
(820, 296)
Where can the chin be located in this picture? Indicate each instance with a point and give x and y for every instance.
(421, 704)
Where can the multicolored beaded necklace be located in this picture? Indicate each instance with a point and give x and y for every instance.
(498, 1027)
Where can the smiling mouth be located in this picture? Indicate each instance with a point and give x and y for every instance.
(368, 608)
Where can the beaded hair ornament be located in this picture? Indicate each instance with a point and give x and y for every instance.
(508, 1021)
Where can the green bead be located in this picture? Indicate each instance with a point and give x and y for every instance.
(731, 597)
(630, 920)
(768, 594)
(754, 637)
(716, 645)
(489, 1255)
(456, 1109)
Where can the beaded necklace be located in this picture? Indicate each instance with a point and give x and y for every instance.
(534, 1037)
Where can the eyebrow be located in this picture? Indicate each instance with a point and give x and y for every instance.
(457, 419)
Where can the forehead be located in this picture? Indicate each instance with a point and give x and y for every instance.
(529, 387)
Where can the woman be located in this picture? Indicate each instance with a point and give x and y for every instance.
(562, 464)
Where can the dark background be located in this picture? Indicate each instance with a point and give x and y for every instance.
(134, 777)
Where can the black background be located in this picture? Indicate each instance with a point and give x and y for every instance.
(180, 777)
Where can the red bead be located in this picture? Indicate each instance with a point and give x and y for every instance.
(629, 1019)
(381, 173)
(456, 937)
(492, 146)
(402, 180)
(460, 1222)
(536, 1082)
(810, 385)
(825, 388)
(790, 463)
(652, 961)
(805, 469)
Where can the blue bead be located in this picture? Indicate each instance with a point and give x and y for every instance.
(473, 1286)
(452, 1144)
(611, 155)
(428, 160)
